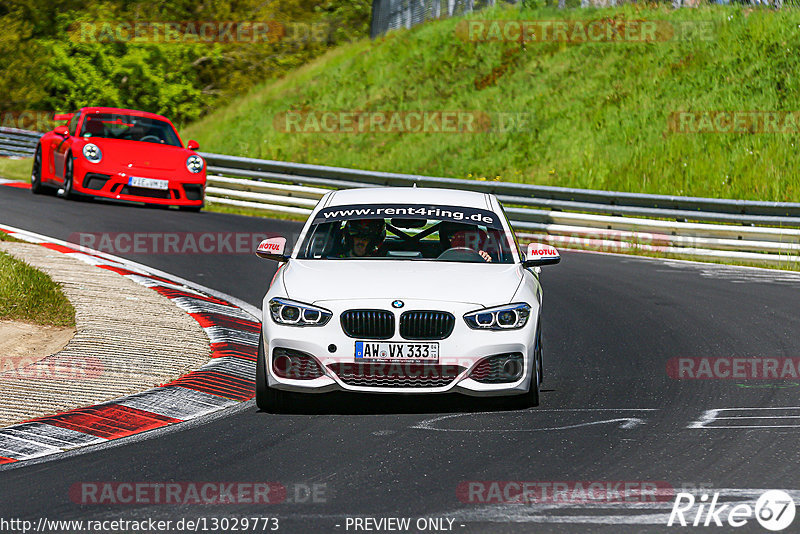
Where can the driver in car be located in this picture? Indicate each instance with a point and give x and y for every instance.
(454, 235)
(363, 237)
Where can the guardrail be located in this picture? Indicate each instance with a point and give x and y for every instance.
(739, 230)
(18, 143)
(736, 230)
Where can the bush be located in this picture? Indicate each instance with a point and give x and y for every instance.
(53, 70)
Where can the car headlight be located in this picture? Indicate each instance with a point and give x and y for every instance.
(506, 317)
(194, 163)
(92, 152)
(292, 313)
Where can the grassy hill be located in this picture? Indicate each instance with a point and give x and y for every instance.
(597, 113)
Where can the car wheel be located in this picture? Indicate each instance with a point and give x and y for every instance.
(529, 399)
(36, 172)
(194, 209)
(267, 399)
(68, 193)
(532, 396)
(540, 353)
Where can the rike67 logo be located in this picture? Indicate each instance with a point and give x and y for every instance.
(774, 511)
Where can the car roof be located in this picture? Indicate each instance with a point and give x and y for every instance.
(410, 195)
(123, 111)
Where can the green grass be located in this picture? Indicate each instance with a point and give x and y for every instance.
(5, 237)
(598, 112)
(30, 296)
(16, 169)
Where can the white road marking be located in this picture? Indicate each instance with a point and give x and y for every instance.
(625, 422)
(708, 418)
(737, 274)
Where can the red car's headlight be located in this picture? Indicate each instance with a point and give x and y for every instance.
(194, 163)
(92, 152)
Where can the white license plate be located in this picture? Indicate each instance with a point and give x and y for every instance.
(148, 183)
(389, 351)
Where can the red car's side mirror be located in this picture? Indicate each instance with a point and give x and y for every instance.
(192, 145)
(61, 130)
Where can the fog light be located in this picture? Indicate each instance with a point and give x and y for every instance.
(512, 368)
(498, 369)
(296, 365)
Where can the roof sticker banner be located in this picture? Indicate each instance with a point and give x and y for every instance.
(457, 214)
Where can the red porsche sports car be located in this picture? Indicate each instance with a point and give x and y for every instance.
(120, 154)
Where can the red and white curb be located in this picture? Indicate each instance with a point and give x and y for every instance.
(226, 380)
(15, 183)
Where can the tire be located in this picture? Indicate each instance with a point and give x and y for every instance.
(531, 398)
(36, 172)
(68, 194)
(540, 352)
(267, 399)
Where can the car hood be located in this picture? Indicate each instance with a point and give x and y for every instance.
(141, 157)
(476, 283)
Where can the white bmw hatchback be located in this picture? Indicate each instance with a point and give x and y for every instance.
(403, 290)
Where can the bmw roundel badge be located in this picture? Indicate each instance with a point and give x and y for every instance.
(397, 304)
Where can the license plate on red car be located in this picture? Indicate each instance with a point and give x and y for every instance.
(389, 351)
(148, 183)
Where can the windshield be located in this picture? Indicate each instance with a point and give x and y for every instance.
(130, 128)
(407, 232)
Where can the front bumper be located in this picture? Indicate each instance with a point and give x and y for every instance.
(459, 353)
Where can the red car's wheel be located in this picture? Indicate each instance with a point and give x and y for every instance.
(68, 193)
(36, 172)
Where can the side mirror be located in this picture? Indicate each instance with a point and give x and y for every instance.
(192, 145)
(61, 130)
(63, 116)
(539, 254)
(272, 249)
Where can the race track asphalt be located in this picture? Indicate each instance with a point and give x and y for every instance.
(609, 411)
